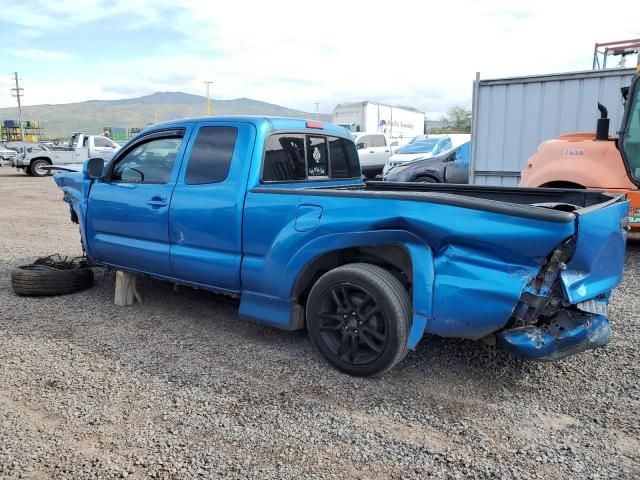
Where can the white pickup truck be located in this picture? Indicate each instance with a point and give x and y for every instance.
(374, 150)
(32, 158)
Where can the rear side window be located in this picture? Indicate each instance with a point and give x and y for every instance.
(284, 158)
(296, 157)
(344, 158)
(99, 142)
(211, 155)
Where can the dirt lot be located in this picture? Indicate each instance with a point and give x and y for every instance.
(179, 387)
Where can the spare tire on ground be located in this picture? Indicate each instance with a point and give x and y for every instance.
(53, 275)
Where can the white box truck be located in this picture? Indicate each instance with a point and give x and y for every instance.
(371, 117)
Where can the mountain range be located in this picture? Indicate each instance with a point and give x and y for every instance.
(59, 121)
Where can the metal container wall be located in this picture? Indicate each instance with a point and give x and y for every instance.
(512, 116)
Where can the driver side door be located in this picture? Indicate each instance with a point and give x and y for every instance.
(128, 210)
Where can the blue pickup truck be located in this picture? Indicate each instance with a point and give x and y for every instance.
(275, 211)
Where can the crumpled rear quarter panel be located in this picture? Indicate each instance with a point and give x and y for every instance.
(482, 260)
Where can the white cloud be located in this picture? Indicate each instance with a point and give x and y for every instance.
(40, 55)
(411, 52)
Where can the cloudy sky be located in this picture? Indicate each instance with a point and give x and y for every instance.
(419, 53)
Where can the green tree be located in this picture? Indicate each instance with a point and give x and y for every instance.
(459, 119)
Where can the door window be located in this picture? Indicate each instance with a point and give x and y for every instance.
(631, 138)
(378, 141)
(150, 162)
(367, 141)
(211, 154)
(284, 158)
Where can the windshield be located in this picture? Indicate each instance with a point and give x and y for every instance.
(631, 137)
(419, 145)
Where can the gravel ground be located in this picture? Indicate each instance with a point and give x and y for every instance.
(179, 387)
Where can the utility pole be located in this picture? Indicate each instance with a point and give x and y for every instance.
(17, 92)
(209, 110)
(317, 112)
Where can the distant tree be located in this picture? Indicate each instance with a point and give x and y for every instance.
(459, 119)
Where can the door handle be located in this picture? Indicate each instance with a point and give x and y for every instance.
(157, 202)
(371, 151)
(387, 151)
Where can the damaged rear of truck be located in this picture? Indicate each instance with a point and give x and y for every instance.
(563, 310)
(492, 277)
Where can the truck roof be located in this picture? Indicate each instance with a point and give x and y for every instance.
(264, 122)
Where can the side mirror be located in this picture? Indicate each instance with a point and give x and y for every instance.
(451, 158)
(360, 146)
(95, 167)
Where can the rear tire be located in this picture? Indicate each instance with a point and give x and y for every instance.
(36, 168)
(40, 280)
(358, 316)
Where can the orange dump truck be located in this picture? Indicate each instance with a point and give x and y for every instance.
(595, 160)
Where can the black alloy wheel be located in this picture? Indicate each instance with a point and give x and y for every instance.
(358, 317)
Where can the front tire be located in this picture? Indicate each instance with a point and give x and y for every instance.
(358, 316)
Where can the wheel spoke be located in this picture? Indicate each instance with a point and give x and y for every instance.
(370, 343)
(341, 297)
(353, 350)
(368, 300)
(345, 297)
(374, 334)
(370, 313)
(329, 321)
(337, 299)
(344, 345)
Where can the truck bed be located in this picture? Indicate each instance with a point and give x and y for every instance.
(549, 204)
